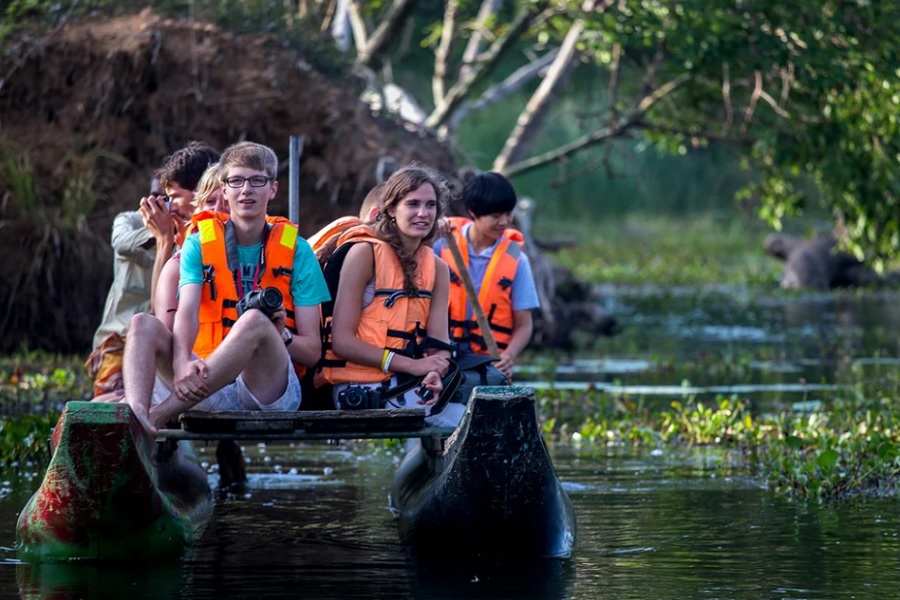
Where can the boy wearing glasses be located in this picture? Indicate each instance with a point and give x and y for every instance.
(221, 357)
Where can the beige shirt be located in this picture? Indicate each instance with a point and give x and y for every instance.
(129, 293)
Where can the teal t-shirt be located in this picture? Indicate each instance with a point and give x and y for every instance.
(308, 286)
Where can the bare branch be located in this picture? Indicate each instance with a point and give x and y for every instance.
(601, 135)
(649, 101)
(358, 24)
(463, 87)
(613, 93)
(613, 89)
(476, 40)
(726, 96)
(771, 102)
(439, 79)
(392, 22)
(501, 90)
(329, 14)
(787, 79)
(532, 117)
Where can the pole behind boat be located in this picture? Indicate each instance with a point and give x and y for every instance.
(295, 152)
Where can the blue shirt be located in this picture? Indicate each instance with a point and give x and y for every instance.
(523, 292)
(308, 286)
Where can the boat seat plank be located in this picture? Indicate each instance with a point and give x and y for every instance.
(303, 425)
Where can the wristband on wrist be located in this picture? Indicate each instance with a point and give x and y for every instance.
(387, 363)
(287, 337)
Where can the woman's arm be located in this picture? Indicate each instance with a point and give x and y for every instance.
(438, 326)
(357, 271)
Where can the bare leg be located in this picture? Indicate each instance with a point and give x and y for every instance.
(253, 348)
(148, 346)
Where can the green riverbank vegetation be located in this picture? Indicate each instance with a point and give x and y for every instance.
(663, 250)
(848, 448)
(823, 451)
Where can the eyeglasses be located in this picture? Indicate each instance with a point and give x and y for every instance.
(238, 182)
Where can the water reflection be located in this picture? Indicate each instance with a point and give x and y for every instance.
(314, 521)
(657, 524)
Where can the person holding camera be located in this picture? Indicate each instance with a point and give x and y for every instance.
(142, 242)
(391, 296)
(233, 343)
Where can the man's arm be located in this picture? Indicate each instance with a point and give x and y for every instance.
(129, 235)
(162, 227)
(306, 348)
(187, 323)
(438, 316)
(521, 335)
(524, 299)
(190, 372)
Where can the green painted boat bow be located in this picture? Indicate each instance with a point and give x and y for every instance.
(111, 492)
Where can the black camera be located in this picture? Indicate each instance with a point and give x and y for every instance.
(164, 203)
(356, 397)
(267, 300)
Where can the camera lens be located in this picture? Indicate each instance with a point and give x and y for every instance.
(270, 299)
(352, 398)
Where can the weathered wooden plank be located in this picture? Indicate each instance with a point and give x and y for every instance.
(303, 425)
(308, 415)
(302, 435)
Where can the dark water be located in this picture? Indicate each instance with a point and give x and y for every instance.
(651, 525)
(314, 522)
(772, 348)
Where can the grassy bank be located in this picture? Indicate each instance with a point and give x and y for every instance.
(663, 250)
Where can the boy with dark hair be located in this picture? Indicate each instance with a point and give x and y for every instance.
(142, 242)
(500, 271)
(218, 357)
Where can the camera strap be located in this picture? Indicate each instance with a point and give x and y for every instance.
(450, 381)
(234, 264)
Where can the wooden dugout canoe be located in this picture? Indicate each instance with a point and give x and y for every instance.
(487, 488)
(490, 489)
(111, 492)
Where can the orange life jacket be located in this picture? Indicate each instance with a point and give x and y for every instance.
(319, 241)
(495, 293)
(395, 319)
(221, 277)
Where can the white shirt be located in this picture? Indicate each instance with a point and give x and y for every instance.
(129, 293)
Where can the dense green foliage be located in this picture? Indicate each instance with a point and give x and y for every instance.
(812, 90)
(804, 94)
(850, 449)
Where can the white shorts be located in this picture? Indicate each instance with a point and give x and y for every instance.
(237, 396)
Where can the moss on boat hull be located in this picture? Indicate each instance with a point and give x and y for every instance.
(111, 492)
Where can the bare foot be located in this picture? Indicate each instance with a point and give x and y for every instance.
(168, 410)
(144, 420)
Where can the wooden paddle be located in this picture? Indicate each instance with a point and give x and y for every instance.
(478, 311)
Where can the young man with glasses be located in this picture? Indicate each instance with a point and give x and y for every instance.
(222, 357)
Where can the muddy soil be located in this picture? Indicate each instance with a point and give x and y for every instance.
(96, 105)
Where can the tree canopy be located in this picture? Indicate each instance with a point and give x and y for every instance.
(806, 93)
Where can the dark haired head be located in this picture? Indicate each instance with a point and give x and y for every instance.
(488, 194)
(187, 165)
